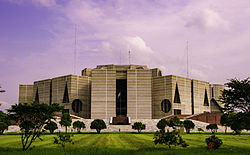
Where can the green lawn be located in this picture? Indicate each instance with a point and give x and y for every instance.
(125, 143)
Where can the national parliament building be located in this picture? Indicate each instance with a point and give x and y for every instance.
(134, 91)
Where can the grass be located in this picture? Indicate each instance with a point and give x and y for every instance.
(124, 143)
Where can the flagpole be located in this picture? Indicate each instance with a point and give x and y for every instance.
(120, 103)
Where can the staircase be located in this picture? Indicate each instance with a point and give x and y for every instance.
(121, 120)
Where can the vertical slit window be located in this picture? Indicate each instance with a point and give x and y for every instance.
(177, 95)
(66, 94)
(206, 99)
(37, 96)
(50, 93)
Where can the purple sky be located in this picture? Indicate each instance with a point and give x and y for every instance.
(37, 38)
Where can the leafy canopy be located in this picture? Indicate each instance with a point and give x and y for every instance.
(66, 120)
(51, 126)
(98, 124)
(236, 97)
(139, 126)
(4, 122)
(188, 124)
(78, 125)
(162, 124)
(212, 127)
(31, 119)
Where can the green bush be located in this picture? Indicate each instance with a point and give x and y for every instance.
(213, 142)
(98, 124)
(162, 125)
(212, 127)
(78, 125)
(62, 139)
(3, 126)
(174, 122)
(169, 138)
(188, 125)
(139, 126)
(51, 126)
(66, 121)
(4, 122)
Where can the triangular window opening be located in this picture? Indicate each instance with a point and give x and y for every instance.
(206, 99)
(37, 96)
(66, 95)
(177, 95)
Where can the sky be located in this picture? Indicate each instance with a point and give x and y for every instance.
(37, 38)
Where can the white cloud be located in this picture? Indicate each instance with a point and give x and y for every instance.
(207, 19)
(138, 44)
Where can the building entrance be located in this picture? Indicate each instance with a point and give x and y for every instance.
(121, 97)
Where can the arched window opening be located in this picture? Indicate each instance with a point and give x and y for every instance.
(165, 106)
(77, 105)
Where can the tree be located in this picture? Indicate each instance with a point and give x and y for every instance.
(236, 97)
(4, 122)
(98, 124)
(3, 126)
(31, 119)
(63, 138)
(226, 121)
(78, 125)
(139, 126)
(188, 124)
(212, 127)
(174, 122)
(169, 138)
(66, 121)
(162, 125)
(236, 100)
(213, 142)
(51, 126)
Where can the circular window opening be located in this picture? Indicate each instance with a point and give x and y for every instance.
(77, 105)
(165, 105)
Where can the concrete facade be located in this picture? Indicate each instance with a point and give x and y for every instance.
(145, 93)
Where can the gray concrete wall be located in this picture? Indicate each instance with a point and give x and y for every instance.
(161, 89)
(103, 93)
(139, 94)
(199, 94)
(25, 94)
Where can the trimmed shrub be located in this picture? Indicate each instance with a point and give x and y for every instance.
(78, 125)
(213, 142)
(51, 126)
(212, 127)
(188, 125)
(98, 124)
(139, 126)
(162, 125)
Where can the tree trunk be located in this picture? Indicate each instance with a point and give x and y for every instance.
(98, 131)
